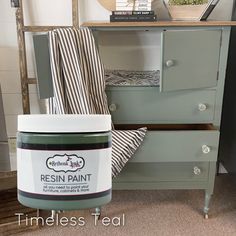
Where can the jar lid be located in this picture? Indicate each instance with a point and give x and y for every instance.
(64, 123)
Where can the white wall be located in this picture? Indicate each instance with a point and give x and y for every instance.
(57, 12)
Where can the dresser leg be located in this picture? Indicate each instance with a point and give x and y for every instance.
(98, 212)
(206, 206)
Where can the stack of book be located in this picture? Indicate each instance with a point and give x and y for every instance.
(133, 10)
(131, 16)
(133, 5)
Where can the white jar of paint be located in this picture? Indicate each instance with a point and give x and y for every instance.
(64, 161)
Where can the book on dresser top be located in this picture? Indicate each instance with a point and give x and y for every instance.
(132, 2)
(134, 13)
(134, 8)
(139, 5)
(133, 18)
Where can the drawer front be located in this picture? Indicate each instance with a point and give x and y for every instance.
(156, 172)
(148, 105)
(178, 146)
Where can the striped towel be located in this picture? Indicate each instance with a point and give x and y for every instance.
(79, 87)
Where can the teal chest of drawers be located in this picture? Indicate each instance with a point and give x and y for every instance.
(182, 111)
(180, 104)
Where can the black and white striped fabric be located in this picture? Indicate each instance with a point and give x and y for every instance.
(79, 87)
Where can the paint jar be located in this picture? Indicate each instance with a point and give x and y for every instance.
(64, 161)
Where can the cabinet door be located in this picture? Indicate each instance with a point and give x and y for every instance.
(190, 59)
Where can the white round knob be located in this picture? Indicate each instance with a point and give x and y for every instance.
(196, 170)
(113, 107)
(202, 107)
(206, 149)
(169, 63)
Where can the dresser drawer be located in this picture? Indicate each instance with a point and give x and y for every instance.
(132, 105)
(178, 146)
(157, 172)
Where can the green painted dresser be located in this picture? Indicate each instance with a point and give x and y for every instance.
(182, 113)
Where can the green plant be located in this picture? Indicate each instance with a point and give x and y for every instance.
(188, 2)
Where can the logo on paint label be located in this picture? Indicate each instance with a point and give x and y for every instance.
(65, 163)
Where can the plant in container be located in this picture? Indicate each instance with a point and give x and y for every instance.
(186, 9)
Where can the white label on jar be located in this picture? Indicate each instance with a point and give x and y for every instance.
(64, 172)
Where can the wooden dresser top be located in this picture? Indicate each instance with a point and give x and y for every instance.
(158, 24)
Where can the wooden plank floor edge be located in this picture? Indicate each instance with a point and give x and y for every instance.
(8, 180)
(7, 174)
(9, 223)
(14, 228)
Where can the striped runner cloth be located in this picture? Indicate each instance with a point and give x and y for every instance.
(79, 87)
